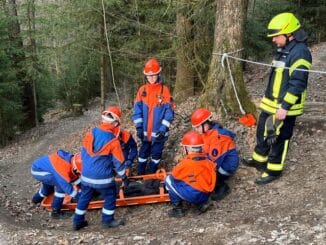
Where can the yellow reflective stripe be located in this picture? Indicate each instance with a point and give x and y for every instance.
(290, 98)
(271, 106)
(295, 112)
(278, 128)
(275, 166)
(268, 105)
(259, 158)
(277, 82)
(300, 62)
(264, 174)
(279, 166)
(285, 150)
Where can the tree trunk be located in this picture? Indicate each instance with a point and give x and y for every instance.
(218, 93)
(102, 74)
(18, 59)
(33, 55)
(184, 86)
(103, 66)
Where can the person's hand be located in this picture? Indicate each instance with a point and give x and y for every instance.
(281, 114)
(140, 132)
(160, 135)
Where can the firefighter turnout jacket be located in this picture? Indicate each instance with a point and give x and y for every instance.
(287, 87)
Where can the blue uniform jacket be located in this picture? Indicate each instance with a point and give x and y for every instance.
(60, 171)
(101, 156)
(153, 110)
(128, 145)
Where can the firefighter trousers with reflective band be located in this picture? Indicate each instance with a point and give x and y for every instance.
(153, 150)
(275, 154)
(87, 193)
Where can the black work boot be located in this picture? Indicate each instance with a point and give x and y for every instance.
(201, 208)
(266, 178)
(177, 210)
(37, 198)
(80, 226)
(58, 214)
(114, 223)
(249, 162)
(220, 192)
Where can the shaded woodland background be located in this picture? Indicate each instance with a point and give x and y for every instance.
(66, 52)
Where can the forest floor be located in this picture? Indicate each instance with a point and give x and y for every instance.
(290, 210)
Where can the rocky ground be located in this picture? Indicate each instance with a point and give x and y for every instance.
(288, 211)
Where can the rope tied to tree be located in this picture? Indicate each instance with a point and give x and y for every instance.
(223, 59)
(247, 119)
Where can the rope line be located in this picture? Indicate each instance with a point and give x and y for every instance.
(110, 55)
(227, 55)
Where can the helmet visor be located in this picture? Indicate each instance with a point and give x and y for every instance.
(273, 32)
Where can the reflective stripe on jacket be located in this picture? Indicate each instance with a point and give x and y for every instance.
(153, 110)
(58, 165)
(287, 87)
(196, 171)
(101, 155)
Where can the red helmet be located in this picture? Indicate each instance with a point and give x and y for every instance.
(111, 114)
(76, 163)
(152, 67)
(192, 139)
(200, 116)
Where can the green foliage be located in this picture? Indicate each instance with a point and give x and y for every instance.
(70, 42)
(312, 14)
(256, 44)
(10, 97)
(79, 79)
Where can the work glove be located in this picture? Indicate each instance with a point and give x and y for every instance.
(125, 182)
(140, 132)
(272, 126)
(160, 135)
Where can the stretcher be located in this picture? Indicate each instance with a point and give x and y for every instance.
(142, 189)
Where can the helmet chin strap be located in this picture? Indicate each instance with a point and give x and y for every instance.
(203, 128)
(288, 38)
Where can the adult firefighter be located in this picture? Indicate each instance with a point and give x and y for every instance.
(153, 115)
(220, 147)
(193, 178)
(58, 173)
(284, 97)
(101, 156)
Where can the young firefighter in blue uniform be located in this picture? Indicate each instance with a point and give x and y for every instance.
(101, 156)
(153, 115)
(284, 97)
(57, 171)
(220, 146)
(127, 142)
(193, 178)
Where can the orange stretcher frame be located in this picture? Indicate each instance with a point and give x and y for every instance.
(122, 200)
